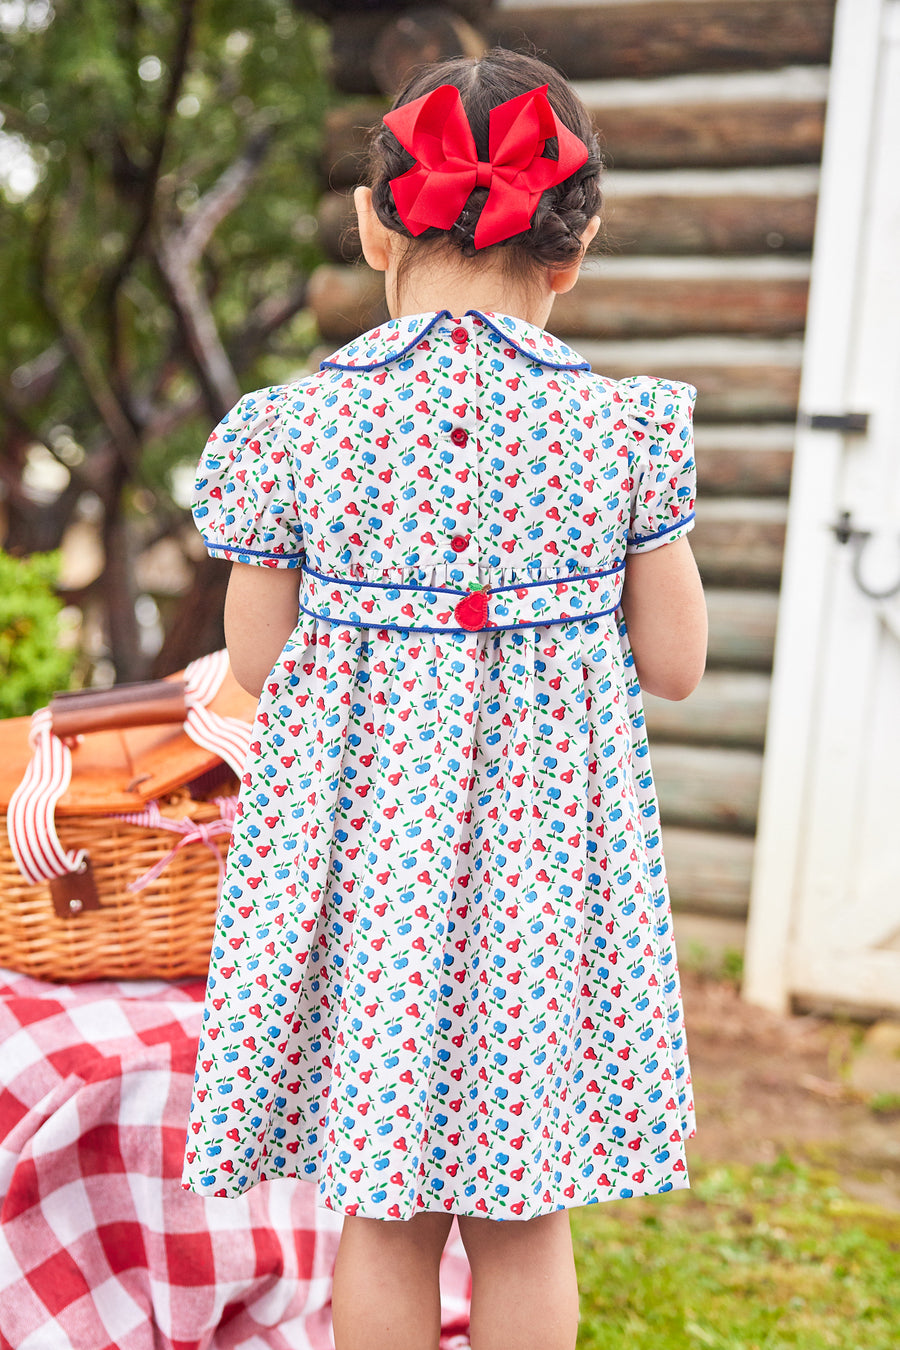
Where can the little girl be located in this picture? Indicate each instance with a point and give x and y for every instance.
(443, 981)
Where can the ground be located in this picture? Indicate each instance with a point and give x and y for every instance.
(766, 1085)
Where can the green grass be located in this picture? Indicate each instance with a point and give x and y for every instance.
(771, 1257)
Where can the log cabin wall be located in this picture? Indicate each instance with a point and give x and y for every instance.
(711, 113)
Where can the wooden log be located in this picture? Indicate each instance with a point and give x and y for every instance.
(346, 301)
(737, 381)
(728, 708)
(740, 543)
(708, 135)
(708, 873)
(741, 628)
(332, 10)
(355, 38)
(740, 223)
(744, 461)
(762, 473)
(336, 227)
(640, 39)
(345, 139)
(621, 302)
(707, 789)
(418, 37)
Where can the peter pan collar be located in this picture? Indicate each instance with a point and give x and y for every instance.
(392, 340)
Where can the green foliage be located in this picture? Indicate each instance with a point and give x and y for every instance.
(166, 136)
(32, 666)
(772, 1257)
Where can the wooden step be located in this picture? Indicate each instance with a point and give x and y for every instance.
(700, 787)
(706, 121)
(744, 461)
(728, 707)
(739, 541)
(659, 297)
(708, 872)
(739, 379)
(709, 211)
(700, 211)
(741, 628)
(595, 40)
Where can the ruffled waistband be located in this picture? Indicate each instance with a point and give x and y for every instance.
(443, 609)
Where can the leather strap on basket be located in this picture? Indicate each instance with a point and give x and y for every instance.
(30, 820)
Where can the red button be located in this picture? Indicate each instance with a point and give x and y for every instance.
(458, 436)
(459, 543)
(459, 335)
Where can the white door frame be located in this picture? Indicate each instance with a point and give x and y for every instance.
(813, 561)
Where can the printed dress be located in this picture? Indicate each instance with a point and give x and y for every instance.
(443, 974)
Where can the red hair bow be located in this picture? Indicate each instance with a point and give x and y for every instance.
(436, 132)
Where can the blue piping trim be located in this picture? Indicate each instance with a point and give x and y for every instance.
(254, 552)
(666, 529)
(450, 590)
(495, 628)
(541, 360)
(580, 364)
(394, 356)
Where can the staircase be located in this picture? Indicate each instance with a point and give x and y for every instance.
(711, 113)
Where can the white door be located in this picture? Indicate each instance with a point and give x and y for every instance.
(824, 919)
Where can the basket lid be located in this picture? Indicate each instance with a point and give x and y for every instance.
(118, 771)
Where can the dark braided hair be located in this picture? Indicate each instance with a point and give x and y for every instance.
(553, 241)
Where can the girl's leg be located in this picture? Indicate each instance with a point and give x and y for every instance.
(386, 1283)
(524, 1292)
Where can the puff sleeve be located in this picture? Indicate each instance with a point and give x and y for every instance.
(661, 461)
(245, 496)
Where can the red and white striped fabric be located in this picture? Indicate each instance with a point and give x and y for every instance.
(100, 1247)
(31, 823)
(224, 736)
(30, 817)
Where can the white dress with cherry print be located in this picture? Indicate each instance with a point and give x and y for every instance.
(443, 975)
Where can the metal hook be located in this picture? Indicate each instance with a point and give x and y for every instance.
(845, 532)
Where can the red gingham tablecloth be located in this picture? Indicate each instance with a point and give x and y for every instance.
(100, 1248)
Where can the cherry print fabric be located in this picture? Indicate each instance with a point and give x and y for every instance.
(443, 975)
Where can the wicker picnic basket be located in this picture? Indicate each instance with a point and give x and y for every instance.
(118, 810)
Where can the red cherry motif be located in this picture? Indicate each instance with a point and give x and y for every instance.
(472, 610)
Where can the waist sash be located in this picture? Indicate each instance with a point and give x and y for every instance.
(437, 609)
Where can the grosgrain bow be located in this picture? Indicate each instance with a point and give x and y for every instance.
(436, 132)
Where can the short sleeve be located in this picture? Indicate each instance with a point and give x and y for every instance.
(245, 498)
(661, 461)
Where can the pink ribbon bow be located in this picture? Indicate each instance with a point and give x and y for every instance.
(436, 132)
(191, 832)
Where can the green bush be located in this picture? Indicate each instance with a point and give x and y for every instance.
(32, 664)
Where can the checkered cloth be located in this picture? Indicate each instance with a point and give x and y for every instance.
(100, 1248)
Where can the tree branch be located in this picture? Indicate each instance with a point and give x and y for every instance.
(225, 194)
(177, 68)
(178, 256)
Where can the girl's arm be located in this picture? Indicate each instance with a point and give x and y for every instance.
(666, 618)
(260, 614)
